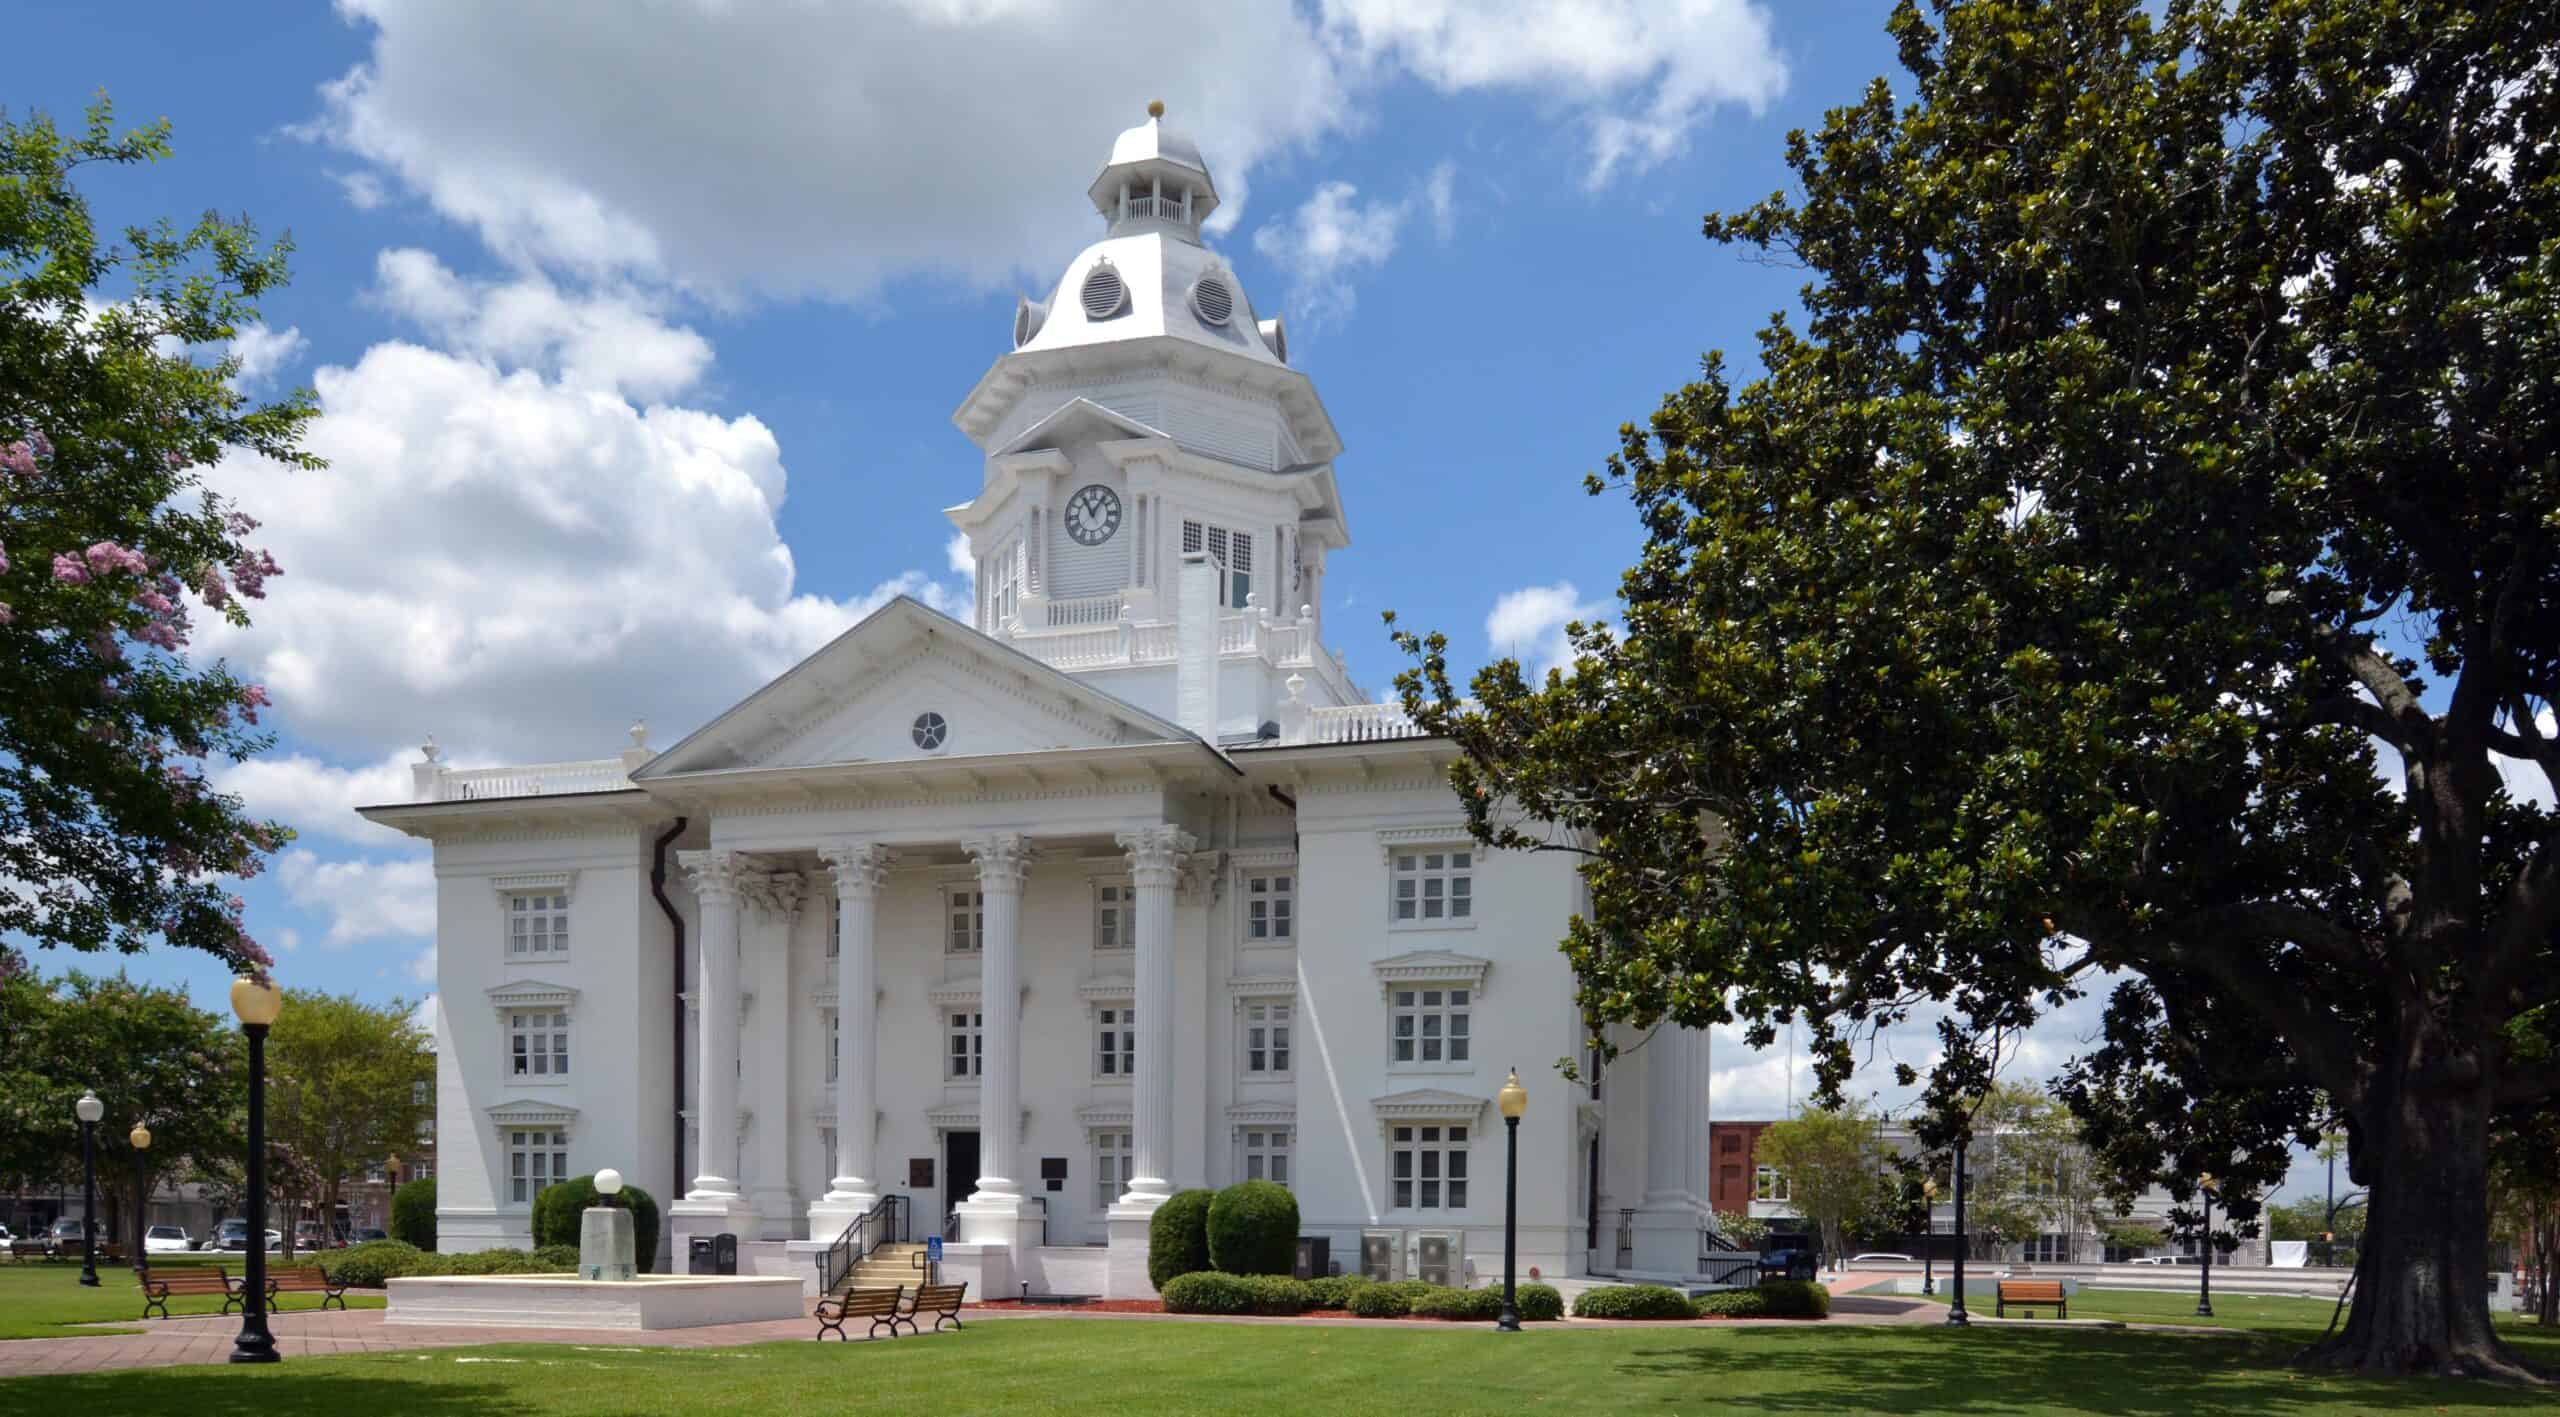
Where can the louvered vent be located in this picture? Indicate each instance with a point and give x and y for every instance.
(1214, 303)
(1105, 294)
(1028, 317)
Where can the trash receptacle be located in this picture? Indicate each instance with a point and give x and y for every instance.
(724, 1253)
(1315, 1257)
(697, 1255)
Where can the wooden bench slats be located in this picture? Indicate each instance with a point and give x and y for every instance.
(881, 1306)
(2030, 1294)
(159, 1285)
(940, 1300)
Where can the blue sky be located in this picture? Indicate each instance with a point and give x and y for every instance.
(638, 327)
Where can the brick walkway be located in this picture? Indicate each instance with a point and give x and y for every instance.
(308, 1334)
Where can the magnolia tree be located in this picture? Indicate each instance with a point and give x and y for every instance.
(111, 551)
(2135, 572)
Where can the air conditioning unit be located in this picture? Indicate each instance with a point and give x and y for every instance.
(1440, 1257)
(1382, 1254)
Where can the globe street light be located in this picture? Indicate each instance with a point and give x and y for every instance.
(257, 1001)
(2204, 1292)
(89, 1109)
(140, 1136)
(1512, 1100)
(1929, 1235)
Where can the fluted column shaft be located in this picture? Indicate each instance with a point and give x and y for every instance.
(1002, 861)
(715, 997)
(858, 869)
(1155, 866)
(1674, 1107)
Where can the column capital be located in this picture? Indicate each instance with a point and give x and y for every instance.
(776, 893)
(858, 866)
(714, 873)
(1156, 853)
(1003, 858)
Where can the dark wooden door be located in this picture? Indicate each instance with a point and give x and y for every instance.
(959, 1168)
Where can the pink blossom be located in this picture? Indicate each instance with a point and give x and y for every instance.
(250, 573)
(239, 523)
(18, 458)
(215, 590)
(4, 557)
(253, 698)
(7, 615)
(105, 647)
(68, 570)
(105, 556)
(43, 445)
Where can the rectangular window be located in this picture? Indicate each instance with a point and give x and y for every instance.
(1434, 885)
(1266, 1154)
(1768, 1183)
(835, 927)
(968, 1043)
(537, 1043)
(1111, 919)
(2047, 1249)
(1270, 908)
(1428, 1166)
(1115, 1042)
(1266, 1039)
(1431, 1025)
(1110, 1168)
(535, 1159)
(1233, 551)
(832, 1043)
(537, 926)
(967, 912)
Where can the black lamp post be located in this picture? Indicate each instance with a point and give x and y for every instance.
(257, 1001)
(1929, 1235)
(2204, 1291)
(1955, 1311)
(89, 1110)
(1512, 1100)
(141, 1139)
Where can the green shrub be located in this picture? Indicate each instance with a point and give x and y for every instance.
(365, 1266)
(560, 1211)
(413, 1213)
(556, 1256)
(1253, 1229)
(1335, 1291)
(1477, 1305)
(1776, 1299)
(1732, 1304)
(1540, 1303)
(1379, 1301)
(1633, 1301)
(1178, 1237)
(1207, 1292)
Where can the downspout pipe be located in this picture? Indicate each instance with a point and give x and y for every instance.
(675, 1054)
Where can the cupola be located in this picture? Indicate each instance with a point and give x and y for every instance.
(1155, 178)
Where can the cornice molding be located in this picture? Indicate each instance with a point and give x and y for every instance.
(525, 1112)
(1263, 1114)
(1262, 986)
(1431, 967)
(561, 883)
(532, 994)
(1429, 1104)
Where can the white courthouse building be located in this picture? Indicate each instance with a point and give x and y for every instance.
(1024, 924)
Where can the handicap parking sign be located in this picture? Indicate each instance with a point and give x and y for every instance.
(933, 1248)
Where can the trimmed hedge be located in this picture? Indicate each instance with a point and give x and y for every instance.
(1334, 1291)
(1777, 1299)
(1540, 1303)
(559, 1213)
(413, 1213)
(1379, 1301)
(1633, 1301)
(1178, 1237)
(556, 1256)
(1253, 1229)
(367, 1265)
(1209, 1292)
(1474, 1305)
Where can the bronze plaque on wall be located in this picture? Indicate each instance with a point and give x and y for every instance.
(920, 1172)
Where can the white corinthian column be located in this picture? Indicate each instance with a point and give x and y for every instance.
(858, 868)
(993, 1215)
(1155, 865)
(714, 1204)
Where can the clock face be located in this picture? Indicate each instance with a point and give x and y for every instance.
(1093, 514)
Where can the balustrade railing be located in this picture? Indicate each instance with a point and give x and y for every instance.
(1361, 723)
(538, 780)
(884, 1223)
(1084, 610)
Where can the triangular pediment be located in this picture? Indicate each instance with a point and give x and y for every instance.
(866, 697)
(1079, 420)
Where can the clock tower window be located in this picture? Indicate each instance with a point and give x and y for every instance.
(1232, 550)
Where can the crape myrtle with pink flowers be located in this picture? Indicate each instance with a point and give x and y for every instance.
(113, 397)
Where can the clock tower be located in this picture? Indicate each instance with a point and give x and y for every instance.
(1159, 480)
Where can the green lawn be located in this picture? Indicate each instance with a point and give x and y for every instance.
(1138, 1367)
(46, 1300)
(2299, 1319)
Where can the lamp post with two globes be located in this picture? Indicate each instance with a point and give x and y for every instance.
(257, 1001)
(1512, 1100)
(89, 1109)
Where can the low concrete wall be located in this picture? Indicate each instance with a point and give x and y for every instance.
(544, 1301)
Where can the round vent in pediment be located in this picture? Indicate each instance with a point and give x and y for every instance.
(1105, 293)
(1213, 300)
(931, 731)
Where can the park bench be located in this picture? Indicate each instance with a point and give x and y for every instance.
(20, 1251)
(940, 1300)
(878, 1305)
(307, 1279)
(159, 1286)
(2040, 1293)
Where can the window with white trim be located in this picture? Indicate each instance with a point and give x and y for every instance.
(1430, 1025)
(536, 1157)
(1233, 551)
(1115, 1042)
(1270, 908)
(1428, 1166)
(2048, 1248)
(1266, 1040)
(537, 925)
(537, 1043)
(1113, 924)
(1266, 1154)
(1768, 1183)
(965, 920)
(1432, 886)
(1111, 1160)
(1004, 586)
(833, 1042)
(968, 1044)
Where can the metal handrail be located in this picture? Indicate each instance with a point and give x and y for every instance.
(883, 1223)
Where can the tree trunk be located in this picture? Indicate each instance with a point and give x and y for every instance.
(2421, 1299)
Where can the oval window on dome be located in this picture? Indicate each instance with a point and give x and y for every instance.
(1105, 294)
(1212, 301)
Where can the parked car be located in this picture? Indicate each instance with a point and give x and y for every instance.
(370, 1233)
(312, 1235)
(166, 1240)
(234, 1235)
(64, 1238)
(2151, 1259)
(5, 1235)
(1879, 1257)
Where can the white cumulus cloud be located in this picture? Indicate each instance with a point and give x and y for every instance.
(264, 353)
(362, 900)
(1528, 624)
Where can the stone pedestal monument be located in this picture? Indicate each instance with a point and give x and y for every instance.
(605, 1238)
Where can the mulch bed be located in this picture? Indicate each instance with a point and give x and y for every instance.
(1090, 1306)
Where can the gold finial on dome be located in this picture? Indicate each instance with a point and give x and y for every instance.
(1155, 108)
